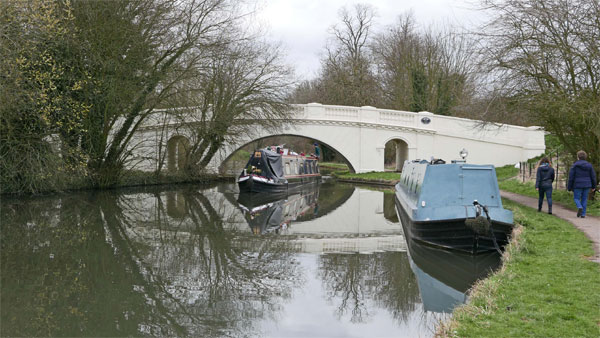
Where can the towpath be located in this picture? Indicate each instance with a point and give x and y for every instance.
(590, 225)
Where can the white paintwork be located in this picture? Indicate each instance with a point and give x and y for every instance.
(360, 134)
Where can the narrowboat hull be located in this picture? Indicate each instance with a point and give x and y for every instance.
(453, 206)
(258, 184)
(453, 234)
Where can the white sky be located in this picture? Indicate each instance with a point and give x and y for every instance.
(303, 25)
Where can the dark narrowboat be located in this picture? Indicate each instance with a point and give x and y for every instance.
(273, 172)
(455, 206)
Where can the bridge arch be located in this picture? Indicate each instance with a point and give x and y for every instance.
(401, 147)
(321, 143)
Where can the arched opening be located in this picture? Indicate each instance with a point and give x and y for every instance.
(177, 148)
(234, 163)
(396, 152)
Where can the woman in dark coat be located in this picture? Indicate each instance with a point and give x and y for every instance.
(543, 183)
(582, 178)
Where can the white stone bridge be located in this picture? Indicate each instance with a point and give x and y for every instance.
(359, 135)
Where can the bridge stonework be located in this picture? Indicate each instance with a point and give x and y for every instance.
(360, 134)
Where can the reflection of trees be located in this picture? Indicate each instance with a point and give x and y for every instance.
(59, 276)
(384, 278)
(107, 264)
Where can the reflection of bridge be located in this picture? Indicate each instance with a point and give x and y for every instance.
(360, 134)
(357, 223)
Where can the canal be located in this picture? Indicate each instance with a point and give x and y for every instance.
(191, 260)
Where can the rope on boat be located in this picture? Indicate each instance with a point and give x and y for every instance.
(482, 225)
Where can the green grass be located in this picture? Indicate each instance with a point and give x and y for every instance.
(547, 288)
(371, 176)
(334, 165)
(506, 172)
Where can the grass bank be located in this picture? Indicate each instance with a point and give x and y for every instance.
(507, 182)
(546, 287)
(384, 178)
(341, 172)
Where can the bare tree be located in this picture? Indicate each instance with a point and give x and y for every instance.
(138, 51)
(347, 75)
(544, 57)
(241, 86)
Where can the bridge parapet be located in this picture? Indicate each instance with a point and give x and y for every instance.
(365, 114)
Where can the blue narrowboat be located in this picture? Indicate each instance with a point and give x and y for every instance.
(454, 206)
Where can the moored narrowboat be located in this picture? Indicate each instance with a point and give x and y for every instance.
(455, 206)
(275, 172)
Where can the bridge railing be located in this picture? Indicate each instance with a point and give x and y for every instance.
(366, 114)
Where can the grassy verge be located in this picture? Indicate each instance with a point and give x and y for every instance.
(506, 172)
(506, 182)
(333, 165)
(387, 178)
(546, 287)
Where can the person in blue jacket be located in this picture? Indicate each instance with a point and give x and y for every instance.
(543, 183)
(317, 151)
(582, 178)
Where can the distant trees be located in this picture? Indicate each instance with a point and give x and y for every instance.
(543, 59)
(402, 68)
(424, 71)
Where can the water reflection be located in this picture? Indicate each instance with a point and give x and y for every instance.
(444, 277)
(203, 261)
(276, 213)
(118, 264)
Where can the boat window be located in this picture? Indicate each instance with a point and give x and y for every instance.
(305, 168)
(317, 168)
(287, 168)
(310, 169)
(301, 168)
(296, 168)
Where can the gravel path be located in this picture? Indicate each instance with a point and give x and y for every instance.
(590, 225)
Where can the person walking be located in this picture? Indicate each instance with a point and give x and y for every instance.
(582, 178)
(543, 183)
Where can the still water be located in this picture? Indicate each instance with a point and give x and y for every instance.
(189, 260)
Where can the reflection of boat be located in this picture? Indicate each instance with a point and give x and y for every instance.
(454, 206)
(269, 171)
(276, 214)
(444, 277)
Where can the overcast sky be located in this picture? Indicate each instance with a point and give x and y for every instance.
(303, 25)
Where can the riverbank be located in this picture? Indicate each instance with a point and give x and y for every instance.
(377, 178)
(136, 179)
(547, 286)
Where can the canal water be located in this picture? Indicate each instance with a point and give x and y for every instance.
(191, 260)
